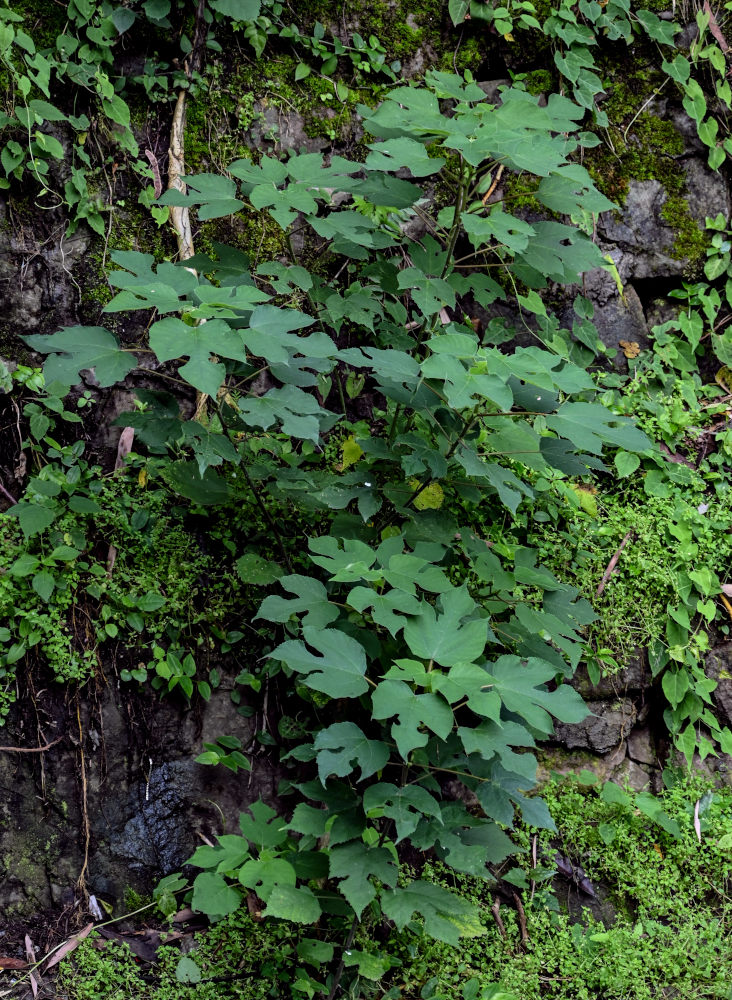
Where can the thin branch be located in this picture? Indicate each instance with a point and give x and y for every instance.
(613, 563)
(31, 749)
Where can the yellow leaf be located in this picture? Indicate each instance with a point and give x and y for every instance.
(350, 453)
(586, 497)
(142, 477)
(430, 498)
(631, 348)
(724, 378)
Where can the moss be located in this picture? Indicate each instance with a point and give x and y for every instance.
(539, 81)
(691, 240)
(647, 149)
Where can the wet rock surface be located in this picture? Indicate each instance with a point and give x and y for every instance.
(147, 801)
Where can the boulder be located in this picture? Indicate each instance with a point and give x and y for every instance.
(603, 730)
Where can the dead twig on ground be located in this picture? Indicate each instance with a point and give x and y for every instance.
(496, 911)
(613, 563)
(31, 749)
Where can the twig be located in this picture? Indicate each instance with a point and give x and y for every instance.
(7, 495)
(723, 599)
(521, 916)
(613, 563)
(496, 911)
(81, 881)
(342, 963)
(155, 167)
(494, 184)
(31, 749)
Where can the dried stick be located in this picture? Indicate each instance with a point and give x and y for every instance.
(496, 911)
(9, 496)
(31, 749)
(521, 916)
(613, 563)
(180, 217)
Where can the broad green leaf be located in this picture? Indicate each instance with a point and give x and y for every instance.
(442, 636)
(406, 805)
(370, 966)
(339, 667)
(446, 916)
(186, 971)
(290, 903)
(32, 517)
(311, 598)
(265, 874)
(414, 711)
(238, 10)
(213, 896)
(355, 864)
(589, 426)
(521, 685)
(76, 348)
(253, 569)
(342, 746)
(44, 585)
(388, 608)
(315, 952)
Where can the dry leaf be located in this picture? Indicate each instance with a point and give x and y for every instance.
(34, 984)
(697, 823)
(68, 946)
(723, 378)
(30, 951)
(13, 963)
(727, 589)
(124, 446)
(631, 348)
(657, 849)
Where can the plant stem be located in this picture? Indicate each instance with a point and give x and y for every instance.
(268, 517)
(342, 964)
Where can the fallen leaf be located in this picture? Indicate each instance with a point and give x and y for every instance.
(30, 951)
(68, 946)
(727, 589)
(657, 849)
(13, 963)
(631, 348)
(723, 378)
(124, 446)
(697, 822)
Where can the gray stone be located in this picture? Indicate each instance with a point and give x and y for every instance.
(148, 803)
(640, 747)
(640, 234)
(643, 240)
(604, 730)
(635, 775)
(617, 317)
(718, 666)
(706, 191)
(633, 678)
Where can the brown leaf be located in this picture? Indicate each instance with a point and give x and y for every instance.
(675, 456)
(68, 946)
(715, 29)
(631, 348)
(34, 984)
(13, 963)
(124, 447)
(254, 905)
(30, 952)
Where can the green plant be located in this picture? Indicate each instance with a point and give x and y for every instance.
(432, 653)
